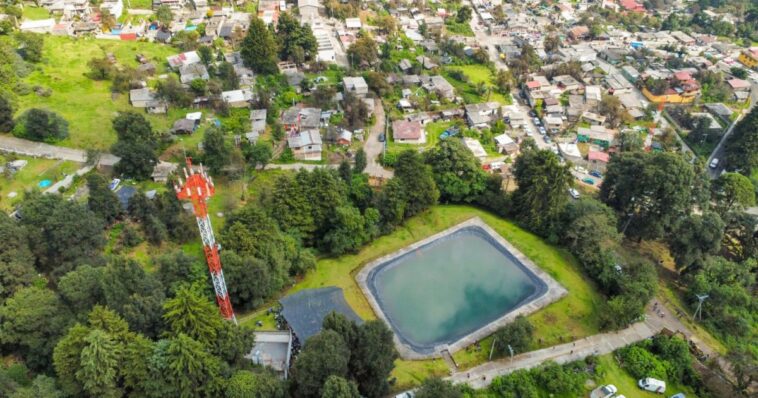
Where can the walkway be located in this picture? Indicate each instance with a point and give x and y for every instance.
(38, 149)
(599, 344)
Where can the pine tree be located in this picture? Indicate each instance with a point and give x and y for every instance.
(259, 48)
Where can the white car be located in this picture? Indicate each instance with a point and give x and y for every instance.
(114, 184)
(608, 390)
(714, 163)
(574, 193)
(653, 385)
(580, 169)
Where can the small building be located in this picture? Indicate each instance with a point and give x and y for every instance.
(570, 151)
(405, 65)
(579, 32)
(237, 98)
(475, 147)
(309, 9)
(297, 118)
(190, 72)
(593, 118)
(406, 132)
(353, 23)
(598, 160)
(438, 85)
(506, 145)
(481, 115)
(597, 135)
(162, 171)
(184, 126)
(567, 82)
(186, 58)
(258, 121)
(273, 349)
(141, 97)
(355, 85)
(306, 144)
(749, 57)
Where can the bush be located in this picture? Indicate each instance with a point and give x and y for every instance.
(641, 363)
(41, 125)
(388, 159)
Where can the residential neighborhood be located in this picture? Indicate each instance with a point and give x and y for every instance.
(382, 198)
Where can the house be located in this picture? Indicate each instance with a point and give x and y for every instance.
(179, 60)
(567, 82)
(113, 7)
(306, 144)
(593, 118)
(190, 72)
(630, 73)
(570, 151)
(475, 147)
(438, 85)
(579, 32)
(405, 65)
(407, 132)
(237, 98)
(184, 126)
(435, 25)
(632, 6)
(355, 85)
(426, 62)
(506, 145)
(553, 123)
(325, 48)
(258, 120)
(141, 97)
(597, 135)
(297, 118)
(598, 160)
(749, 57)
(309, 9)
(272, 349)
(683, 38)
(162, 171)
(345, 137)
(481, 115)
(353, 23)
(720, 110)
(740, 88)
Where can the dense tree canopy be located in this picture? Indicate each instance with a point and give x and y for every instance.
(457, 173)
(649, 190)
(41, 125)
(296, 41)
(742, 146)
(101, 200)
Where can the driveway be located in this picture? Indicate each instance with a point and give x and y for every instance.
(373, 147)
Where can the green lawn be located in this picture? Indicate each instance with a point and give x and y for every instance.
(574, 315)
(455, 28)
(89, 105)
(476, 74)
(30, 176)
(35, 13)
(138, 4)
(612, 373)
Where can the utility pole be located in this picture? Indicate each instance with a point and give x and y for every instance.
(699, 309)
(197, 189)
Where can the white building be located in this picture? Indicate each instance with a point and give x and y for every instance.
(38, 26)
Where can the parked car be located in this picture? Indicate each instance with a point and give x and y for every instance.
(114, 184)
(580, 169)
(588, 181)
(608, 391)
(574, 193)
(537, 121)
(714, 163)
(542, 130)
(547, 139)
(532, 113)
(678, 395)
(651, 384)
(381, 137)
(596, 173)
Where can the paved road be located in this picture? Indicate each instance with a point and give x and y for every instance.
(718, 152)
(373, 147)
(38, 149)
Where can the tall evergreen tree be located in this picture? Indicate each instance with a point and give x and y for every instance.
(259, 48)
(191, 314)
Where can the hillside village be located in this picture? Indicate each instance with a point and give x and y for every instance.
(608, 147)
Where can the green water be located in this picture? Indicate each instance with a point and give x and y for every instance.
(450, 288)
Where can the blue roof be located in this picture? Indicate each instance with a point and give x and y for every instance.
(305, 310)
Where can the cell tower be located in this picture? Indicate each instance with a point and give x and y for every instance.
(198, 189)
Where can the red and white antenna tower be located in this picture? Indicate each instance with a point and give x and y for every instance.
(198, 189)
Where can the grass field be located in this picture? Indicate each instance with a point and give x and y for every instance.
(30, 176)
(88, 105)
(476, 74)
(35, 13)
(574, 315)
(139, 4)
